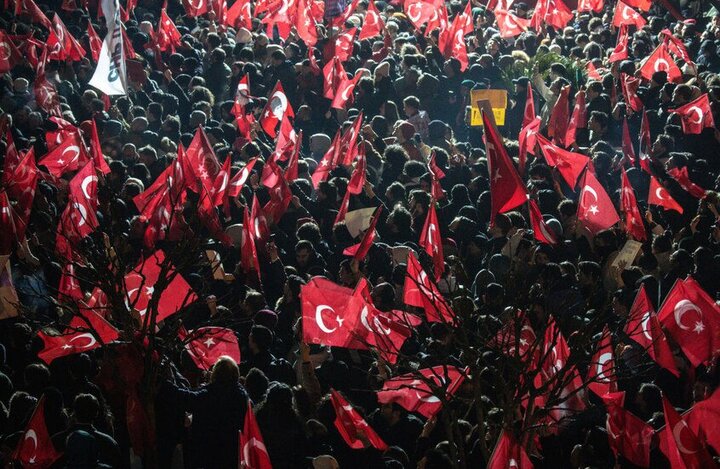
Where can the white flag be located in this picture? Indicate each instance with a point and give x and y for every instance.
(110, 74)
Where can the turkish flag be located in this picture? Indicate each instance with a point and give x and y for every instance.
(291, 170)
(644, 328)
(327, 163)
(206, 344)
(200, 165)
(627, 146)
(436, 190)
(61, 44)
(591, 5)
(420, 291)
(280, 198)
(238, 181)
(7, 220)
(516, 338)
(30, 8)
(140, 287)
(325, 318)
(239, 15)
(420, 12)
(509, 24)
(21, 183)
(418, 391)
(509, 453)
(306, 25)
(595, 209)
(554, 368)
(692, 318)
(276, 108)
(11, 55)
(248, 250)
(79, 218)
(560, 118)
(570, 165)
(683, 179)
(342, 44)
(344, 93)
(696, 115)
(373, 24)
(333, 76)
(702, 419)
(358, 177)
(80, 336)
(69, 288)
(578, 120)
(348, 143)
(676, 46)
(594, 73)
(96, 149)
(624, 15)
(621, 48)
(195, 7)
(628, 435)
(602, 377)
(644, 5)
(541, 231)
(431, 242)
(659, 196)
(507, 191)
(682, 447)
(46, 95)
(69, 156)
(661, 61)
(94, 41)
(527, 140)
(258, 222)
(360, 250)
(629, 86)
(349, 424)
(35, 449)
(529, 112)
(251, 446)
(628, 205)
(222, 181)
(551, 12)
(167, 36)
(645, 144)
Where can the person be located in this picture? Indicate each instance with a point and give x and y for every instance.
(218, 413)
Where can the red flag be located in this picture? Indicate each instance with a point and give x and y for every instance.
(591, 5)
(629, 86)
(96, 149)
(420, 291)
(248, 251)
(242, 94)
(627, 146)
(628, 205)
(644, 328)
(195, 7)
(551, 12)
(258, 222)
(628, 435)
(358, 178)
(238, 181)
(660, 61)
(200, 165)
(644, 5)
(373, 24)
(507, 191)
(342, 44)
(221, 183)
(645, 144)
(140, 287)
(683, 179)
(35, 13)
(676, 46)
(509, 453)
(333, 76)
(306, 25)
(541, 231)
(578, 118)
(69, 156)
(420, 11)
(431, 242)
(327, 163)
(692, 318)
(602, 377)
(79, 218)
(702, 419)
(360, 250)
(344, 93)
(527, 139)
(280, 197)
(509, 24)
(559, 118)
(11, 56)
(276, 108)
(325, 314)
(621, 48)
(252, 451)
(7, 221)
(696, 115)
(167, 36)
(94, 41)
(207, 344)
(417, 392)
(349, 424)
(659, 196)
(239, 15)
(595, 209)
(46, 95)
(36, 449)
(291, 170)
(61, 44)
(69, 288)
(682, 447)
(81, 335)
(348, 143)
(529, 112)
(436, 190)
(570, 165)
(626, 15)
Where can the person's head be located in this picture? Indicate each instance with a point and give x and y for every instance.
(682, 95)
(649, 399)
(598, 122)
(261, 339)
(225, 372)
(589, 273)
(304, 252)
(411, 106)
(391, 413)
(85, 408)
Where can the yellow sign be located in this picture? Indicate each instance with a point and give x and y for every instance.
(498, 102)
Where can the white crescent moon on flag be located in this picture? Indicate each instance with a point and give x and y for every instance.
(682, 307)
(700, 115)
(644, 324)
(677, 434)
(319, 320)
(658, 193)
(591, 191)
(665, 65)
(83, 213)
(600, 367)
(85, 183)
(87, 335)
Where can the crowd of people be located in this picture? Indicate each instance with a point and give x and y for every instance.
(278, 152)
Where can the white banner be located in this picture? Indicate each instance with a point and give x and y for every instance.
(110, 74)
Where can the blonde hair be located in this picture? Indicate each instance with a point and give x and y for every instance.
(225, 371)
